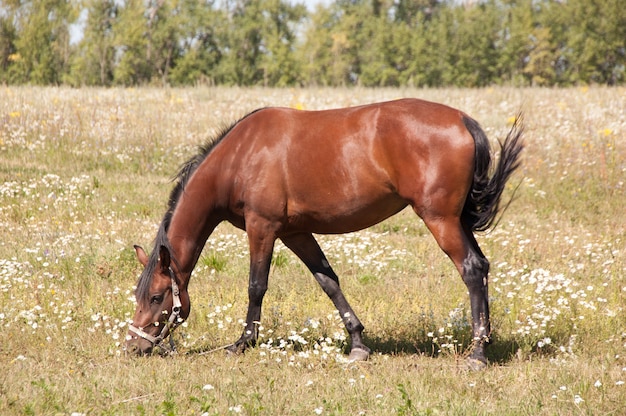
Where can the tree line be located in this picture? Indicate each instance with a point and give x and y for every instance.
(431, 43)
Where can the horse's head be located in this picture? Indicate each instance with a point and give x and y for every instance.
(162, 303)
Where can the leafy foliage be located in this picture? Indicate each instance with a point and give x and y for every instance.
(281, 43)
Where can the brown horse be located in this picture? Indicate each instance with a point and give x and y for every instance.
(283, 173)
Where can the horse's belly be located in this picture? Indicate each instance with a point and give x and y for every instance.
(338, 217)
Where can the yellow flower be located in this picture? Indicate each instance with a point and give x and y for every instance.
(605, 132)
(14, 114)
(299, 106)
(511, 120)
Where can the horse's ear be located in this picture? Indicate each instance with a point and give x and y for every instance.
(141, 255)
(164, 255)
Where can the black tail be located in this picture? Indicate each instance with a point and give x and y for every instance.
(483, 202)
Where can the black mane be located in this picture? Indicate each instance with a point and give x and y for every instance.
(185, 173)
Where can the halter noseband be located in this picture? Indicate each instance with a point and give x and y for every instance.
(170, 324)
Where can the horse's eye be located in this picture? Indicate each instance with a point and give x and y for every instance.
(156, 299)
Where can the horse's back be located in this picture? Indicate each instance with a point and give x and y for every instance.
(357, 133)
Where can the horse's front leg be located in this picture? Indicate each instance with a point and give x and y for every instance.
(261, 247)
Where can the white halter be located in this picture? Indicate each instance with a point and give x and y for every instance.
(171, 323)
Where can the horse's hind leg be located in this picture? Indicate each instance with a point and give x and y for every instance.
(461, 246)
(307, 249)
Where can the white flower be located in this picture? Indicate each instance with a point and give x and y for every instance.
(208, 387)
(318, 410)
(597, 384)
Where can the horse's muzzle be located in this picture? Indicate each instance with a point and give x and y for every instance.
(138, 346)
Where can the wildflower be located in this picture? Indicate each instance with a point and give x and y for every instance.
(542, 343)
(318, 410)
(597, 384)
(208, 387)
(578, 399)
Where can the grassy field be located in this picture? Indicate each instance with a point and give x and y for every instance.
(85, 174)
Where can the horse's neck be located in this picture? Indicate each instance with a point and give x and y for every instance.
(192, 222)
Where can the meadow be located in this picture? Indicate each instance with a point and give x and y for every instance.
(85, 174)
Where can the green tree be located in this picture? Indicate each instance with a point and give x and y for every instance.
(162, 48)
(437, 58)
(596, 41)
(279, 64)
(518, 21)
(131, 44)
(43, 42)
(200, 54)
(316, 53)
(475, 55)
(93, 63)
(415, 12)
(242, 41)
(388, 48)
(258, 43)
(340, 37)
(8, 36)
(540, 67)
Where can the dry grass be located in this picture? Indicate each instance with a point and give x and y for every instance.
(84, 175)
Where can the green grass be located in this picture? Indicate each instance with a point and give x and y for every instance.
(85, 174)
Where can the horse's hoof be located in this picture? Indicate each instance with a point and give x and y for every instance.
(358, 354)
(474, 364)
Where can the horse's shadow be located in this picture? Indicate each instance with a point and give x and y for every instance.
(500, 351)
